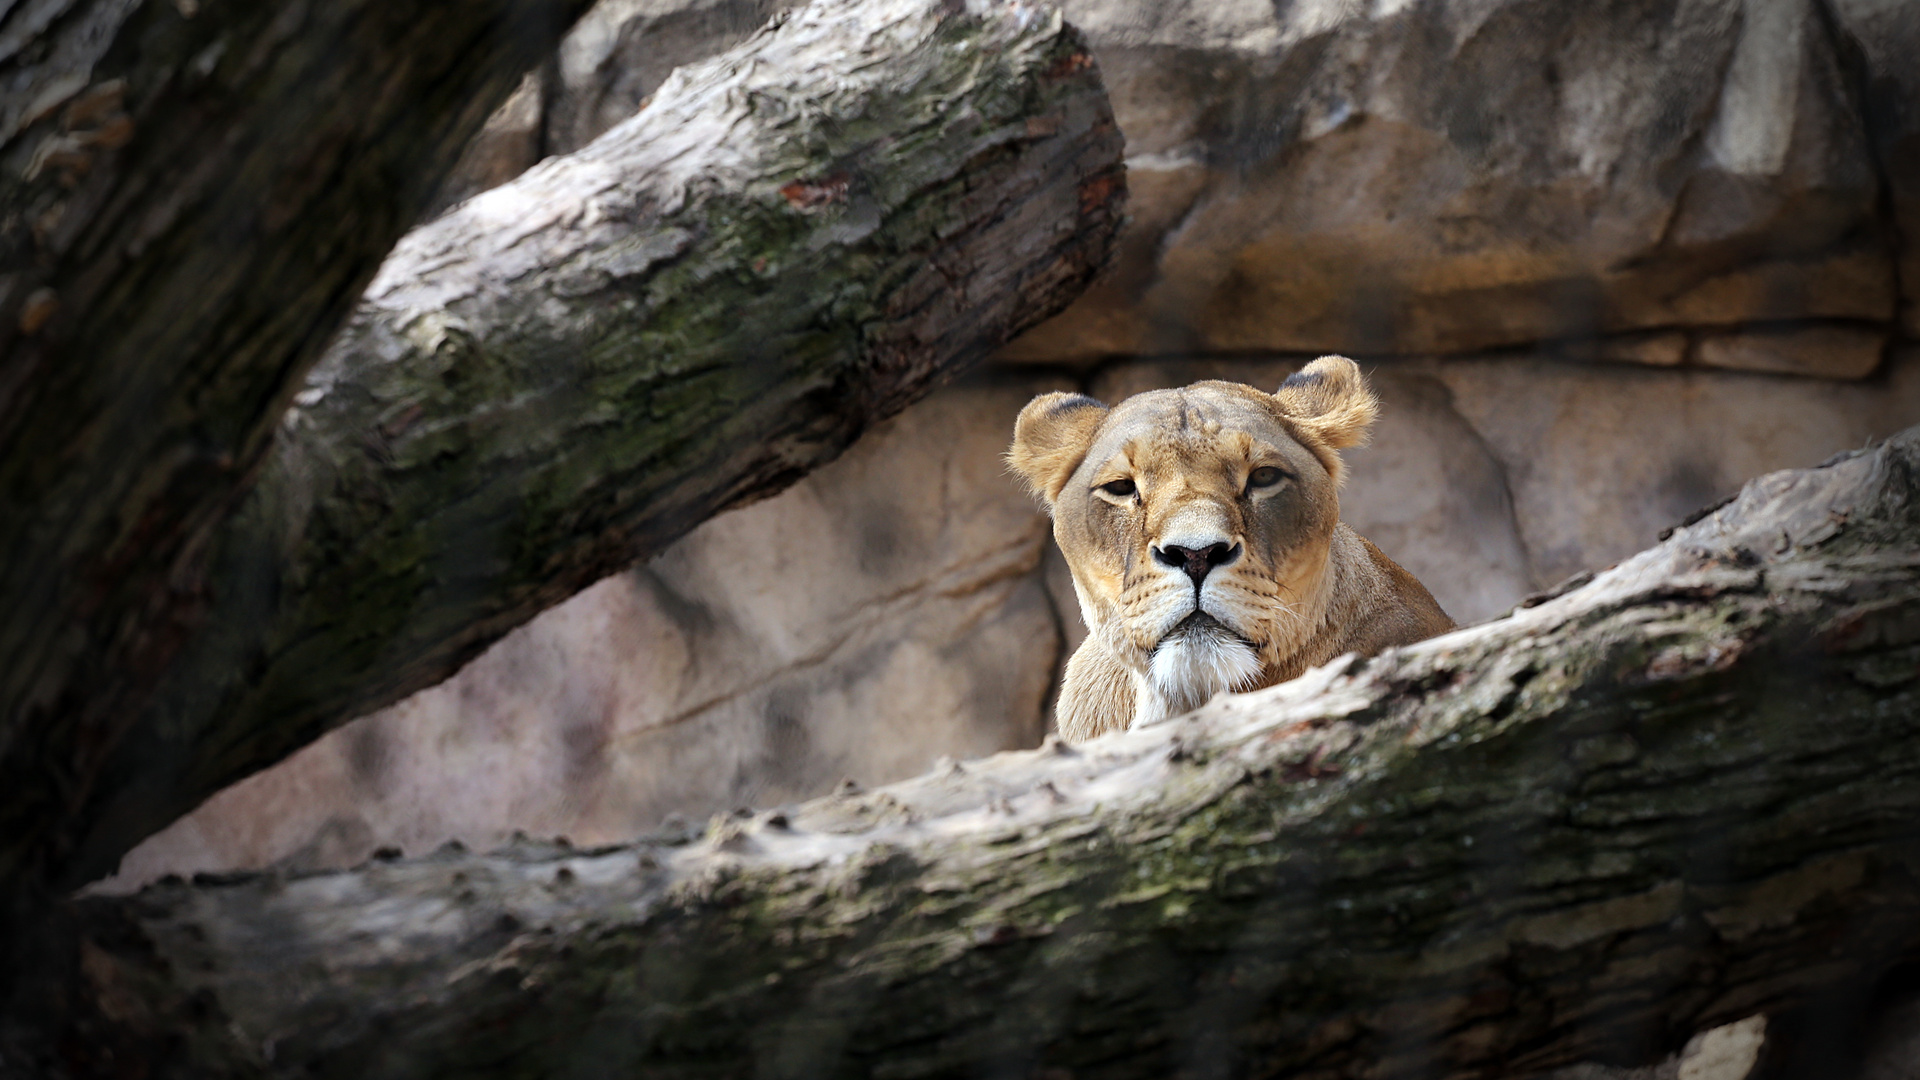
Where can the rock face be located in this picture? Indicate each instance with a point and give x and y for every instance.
(1881, 39)
(1451, 176)
(1600, 460)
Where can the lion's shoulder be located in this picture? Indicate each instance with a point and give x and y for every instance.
(1378, 603)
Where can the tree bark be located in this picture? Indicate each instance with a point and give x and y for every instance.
(563, 375)
(1677, 795)
(192, 194)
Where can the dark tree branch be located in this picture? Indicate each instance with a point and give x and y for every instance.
(192, 194)
(1680, 794)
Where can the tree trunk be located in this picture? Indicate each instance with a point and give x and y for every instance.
(1680, 794)
(192, 194)
(563, 375)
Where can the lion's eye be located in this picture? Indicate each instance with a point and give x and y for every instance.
(1265, 476)
(1119, 489)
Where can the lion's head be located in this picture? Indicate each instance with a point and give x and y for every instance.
(1198, 522)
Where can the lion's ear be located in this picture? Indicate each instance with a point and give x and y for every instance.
(1330, 396)
(1051, 437)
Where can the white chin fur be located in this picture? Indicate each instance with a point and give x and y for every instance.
(1196, 662)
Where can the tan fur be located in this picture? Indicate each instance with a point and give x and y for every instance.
(1284, 585)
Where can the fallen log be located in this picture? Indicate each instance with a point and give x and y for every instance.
(1678, 794)
(561, 376)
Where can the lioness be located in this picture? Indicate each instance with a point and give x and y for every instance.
(1202, 526)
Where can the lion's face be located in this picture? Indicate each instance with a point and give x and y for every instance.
(1197, 521)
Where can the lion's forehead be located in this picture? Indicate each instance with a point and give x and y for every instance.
(1202, 409)
(1202, 434)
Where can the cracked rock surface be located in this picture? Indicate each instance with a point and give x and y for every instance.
(1662, 182)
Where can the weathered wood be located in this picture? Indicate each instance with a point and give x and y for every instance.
(192, 194)
(1670, 798)
(793, 241)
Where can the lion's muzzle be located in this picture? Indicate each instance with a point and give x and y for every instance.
(1197, 659)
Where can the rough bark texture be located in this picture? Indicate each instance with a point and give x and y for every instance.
(191, 197)
(795, 240)
(1672, 797)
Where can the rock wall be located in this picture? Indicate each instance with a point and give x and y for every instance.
(1603, 262)
(1658, 181)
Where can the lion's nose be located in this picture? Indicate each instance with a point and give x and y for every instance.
(1197, 562)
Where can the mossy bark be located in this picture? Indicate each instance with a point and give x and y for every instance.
(1680, 794)
(556, 379)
